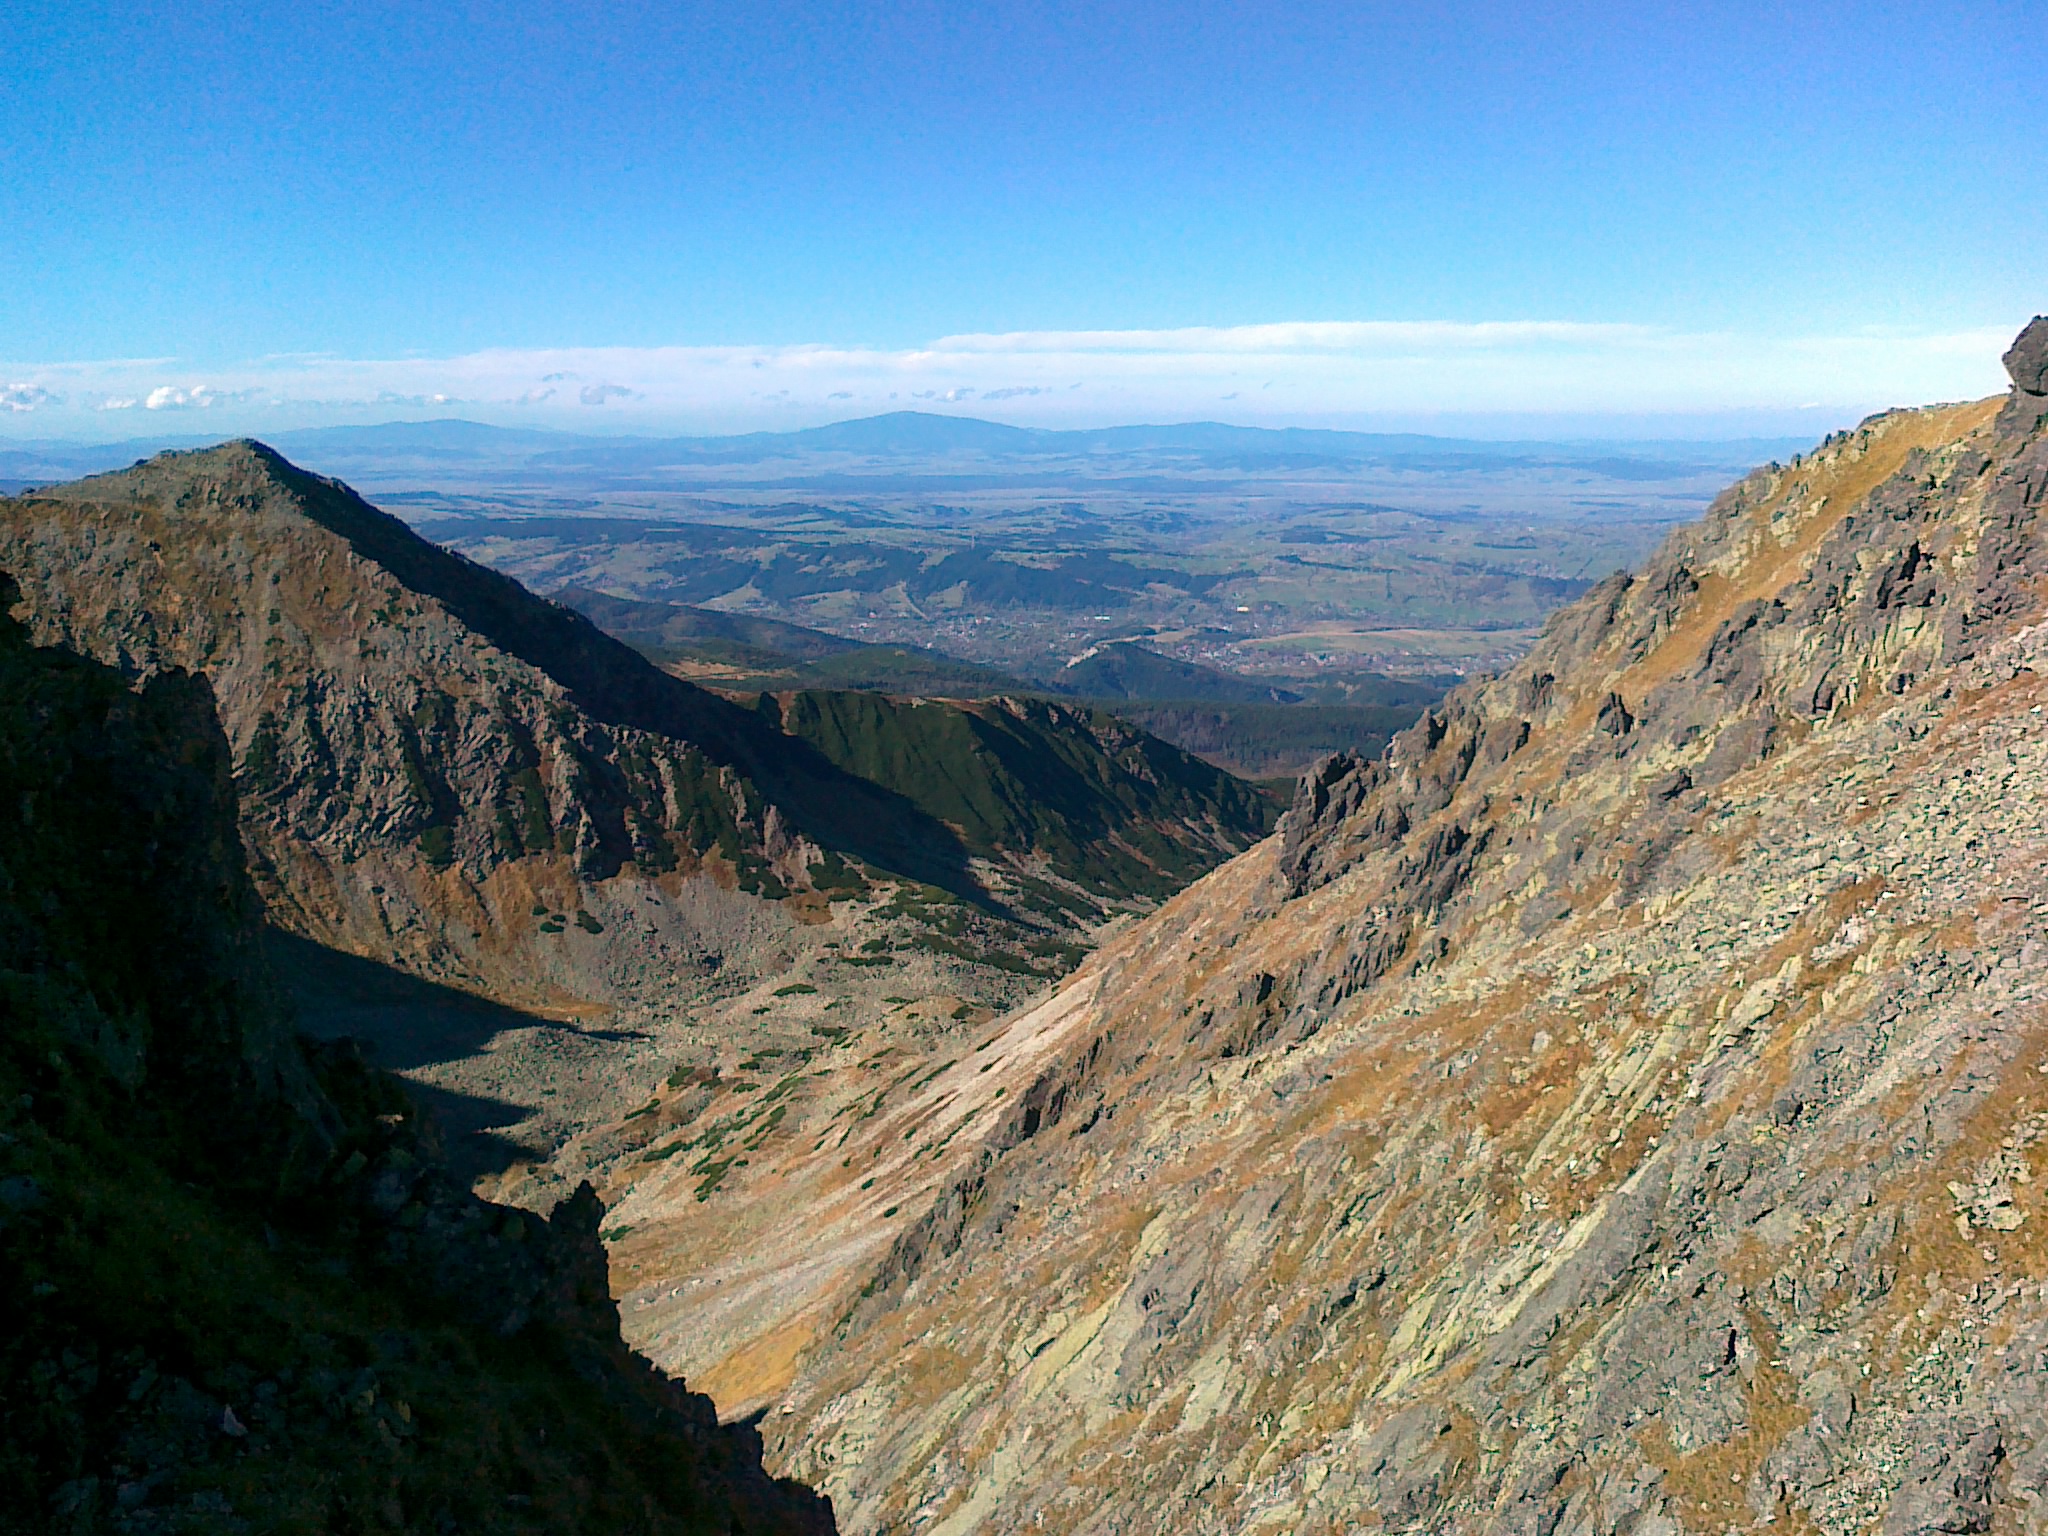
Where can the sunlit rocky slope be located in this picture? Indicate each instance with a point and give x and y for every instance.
(1619, 1109)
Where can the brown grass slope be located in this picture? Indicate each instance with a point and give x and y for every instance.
(1619, 1109)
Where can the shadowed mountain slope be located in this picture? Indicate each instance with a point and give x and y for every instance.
(680, 627)
(241, 1293)
(1048, 787)
(1123, 669)
(742, 651)
(1615, 1110)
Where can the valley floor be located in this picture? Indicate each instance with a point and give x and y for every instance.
(688, 1110)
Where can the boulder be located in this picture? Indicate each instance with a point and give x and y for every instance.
(2026, 360)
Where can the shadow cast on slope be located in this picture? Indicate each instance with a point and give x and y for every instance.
(404, 1024)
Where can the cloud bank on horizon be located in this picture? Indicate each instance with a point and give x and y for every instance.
(1312, 373)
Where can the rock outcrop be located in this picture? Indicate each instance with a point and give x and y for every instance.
(1618, 1109)
(2027, 359)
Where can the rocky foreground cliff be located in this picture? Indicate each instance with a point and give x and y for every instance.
(1620, 1109)
(241, 1293)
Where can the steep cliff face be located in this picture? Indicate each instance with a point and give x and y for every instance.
(241, 1294)
(1616, 1110)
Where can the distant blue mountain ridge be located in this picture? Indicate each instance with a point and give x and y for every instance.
(903, 438)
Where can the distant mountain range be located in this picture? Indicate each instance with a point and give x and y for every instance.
(899, 439)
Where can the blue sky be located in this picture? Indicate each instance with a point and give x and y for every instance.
(727, 215)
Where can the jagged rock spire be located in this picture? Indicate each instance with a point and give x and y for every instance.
(2026, 360)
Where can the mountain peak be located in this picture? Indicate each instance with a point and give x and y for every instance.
(238, 458)
(423, 742)
(419, 738)
(2026, 361)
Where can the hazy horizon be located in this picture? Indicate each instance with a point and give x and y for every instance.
(1455, 381)
(177, 432)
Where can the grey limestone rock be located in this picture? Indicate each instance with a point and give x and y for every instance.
(1953, 1490)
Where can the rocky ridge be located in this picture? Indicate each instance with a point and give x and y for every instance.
(1619, 1109)
(441, 768)
(1060, 807)
(434, 762)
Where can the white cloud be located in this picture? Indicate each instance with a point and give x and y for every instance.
(26, 397)
(1353, 336)
(198, 397)
(1306, 371)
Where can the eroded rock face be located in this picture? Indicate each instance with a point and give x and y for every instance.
(2026, 361)
(1619, 1109)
